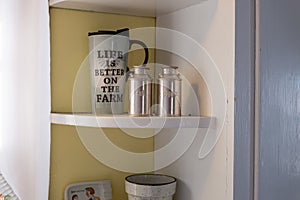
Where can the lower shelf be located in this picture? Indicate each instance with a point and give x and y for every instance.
(125, 121)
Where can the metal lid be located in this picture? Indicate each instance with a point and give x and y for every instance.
(140, 69)
(169, 70)
(124, 32)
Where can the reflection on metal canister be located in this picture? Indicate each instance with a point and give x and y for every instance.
(169, 92)
(140, 86)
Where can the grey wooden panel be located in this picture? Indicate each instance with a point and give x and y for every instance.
(244, 100)
(279, 135)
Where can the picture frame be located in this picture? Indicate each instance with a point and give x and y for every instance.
(97, 190)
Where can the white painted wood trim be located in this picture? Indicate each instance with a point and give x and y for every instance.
(151, 8)
(124, 121)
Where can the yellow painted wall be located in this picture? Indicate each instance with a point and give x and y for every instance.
(70, 161)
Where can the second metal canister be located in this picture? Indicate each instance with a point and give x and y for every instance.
(169, 92)
(140, 87)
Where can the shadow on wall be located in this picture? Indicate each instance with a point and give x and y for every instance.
(204, 19)
(180, 187)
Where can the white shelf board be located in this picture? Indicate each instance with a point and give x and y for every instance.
(152, 8)
(125, 121)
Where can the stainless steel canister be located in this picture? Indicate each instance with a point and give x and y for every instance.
(140, 86)
(169, 92)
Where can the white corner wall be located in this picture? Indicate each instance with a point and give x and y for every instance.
(210, 24)
(25, 97)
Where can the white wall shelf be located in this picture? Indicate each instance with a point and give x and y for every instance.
(151, 8)
(124, 121)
